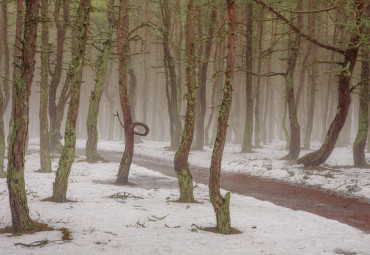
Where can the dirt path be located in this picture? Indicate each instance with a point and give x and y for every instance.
(351, 211)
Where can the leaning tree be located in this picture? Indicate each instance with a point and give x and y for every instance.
(356, 9)
(60, 185)
(101, 66)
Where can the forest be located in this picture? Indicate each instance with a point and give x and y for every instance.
(184, 127)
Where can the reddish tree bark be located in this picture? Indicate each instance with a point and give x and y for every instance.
(221, 204)
(17, 146)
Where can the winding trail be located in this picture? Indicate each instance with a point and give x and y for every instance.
(352, 211)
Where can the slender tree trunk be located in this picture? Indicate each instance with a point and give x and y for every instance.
(221, 204)
(363, 119)
(16, 57)
(44, 91)
(181, 164)
(313, 79)
(248, 131)
(56, 110)
(101, 67)
(17, 146)
(4, 34)
(344, 98)
(68, 154)
(110, 97)
(2, 138)
(285, 129)
(203, 70)
(169, 63)
(122, 50)
(213, 95)
(295, 134)
(257, 139)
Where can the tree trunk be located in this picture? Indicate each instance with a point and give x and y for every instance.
(295, 134)
(4, 35)
(248, 131)
(344, 98)
(2, 138)
(181, 164)
(54, 112)
(44, 91)
(313, 79)
(257, 139)
(213, 95)
(68, 154)
(122, 50)
(101, 67)
(170, 65)
(363, 119)
(203, 70)
(221, 204)
(16, 57)
(17, 146)
(110, 97)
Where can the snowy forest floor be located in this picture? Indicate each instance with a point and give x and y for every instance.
(141, 219)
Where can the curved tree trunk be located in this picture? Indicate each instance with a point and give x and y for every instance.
(44, 91)
(17, 147)
(221, 204)
(176, 125)
(295, 133)
(122, 50)
(344, 98)
(363, 119)
(56, 111)
(101, 66)
(68, 154)
(181, 164)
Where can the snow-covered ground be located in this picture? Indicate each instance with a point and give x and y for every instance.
(109, 219)
(265, 163)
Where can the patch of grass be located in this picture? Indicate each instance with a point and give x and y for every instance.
(122, 197)
(195, 228)
(66, 234)
(36, 227)
(155, 218)
(329, 175)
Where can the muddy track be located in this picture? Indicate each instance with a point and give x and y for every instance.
(352, 211)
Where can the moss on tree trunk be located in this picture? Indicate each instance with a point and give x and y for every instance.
(45, 161)
(221, 204)
(61, 23)
(181, 164)
(60, 185)
(101, 67)
(344, 100)
(122, 50)
(17, 144)
(363, 119)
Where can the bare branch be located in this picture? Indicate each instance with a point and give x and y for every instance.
(120, 121)
(297, 30)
